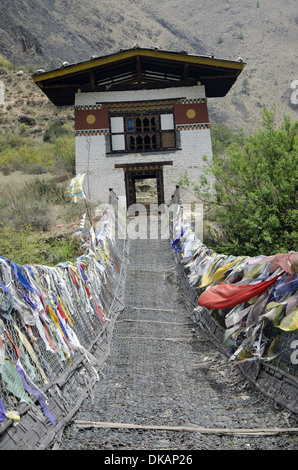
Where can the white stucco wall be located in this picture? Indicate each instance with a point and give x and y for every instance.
(91, 150)
(92, 98)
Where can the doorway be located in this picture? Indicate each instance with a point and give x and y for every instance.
(135, 178)
(138, 174)
(146, 191)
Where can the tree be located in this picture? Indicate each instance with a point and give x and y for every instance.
(255, 187)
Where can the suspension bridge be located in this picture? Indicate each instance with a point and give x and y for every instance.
(115, 352)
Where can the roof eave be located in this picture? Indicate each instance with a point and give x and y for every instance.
(48, 79)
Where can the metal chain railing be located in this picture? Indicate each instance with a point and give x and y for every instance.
(55, 329)
(260, 335)
(56, 325)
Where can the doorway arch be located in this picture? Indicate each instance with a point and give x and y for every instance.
(141, 171)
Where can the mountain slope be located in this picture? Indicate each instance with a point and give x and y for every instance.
(264, 33)
(50, 32)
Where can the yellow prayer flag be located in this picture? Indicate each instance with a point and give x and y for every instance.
(76, 187)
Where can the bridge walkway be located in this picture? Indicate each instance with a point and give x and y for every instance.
(163, 371)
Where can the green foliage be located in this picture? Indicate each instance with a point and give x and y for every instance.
(245, 86)
(223, 136)
(19, 152)
(28, 210)
(19, 208)
(5, 63)
(255, 184)
(26, 246)
(32, 204)
(54, 130)
(64, 151)
(26, 215)
(52, 192)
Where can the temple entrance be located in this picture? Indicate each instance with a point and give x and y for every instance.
(144, 186)
(144, 183)
(146, 191)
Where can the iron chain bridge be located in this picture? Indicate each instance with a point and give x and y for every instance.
(147, 345)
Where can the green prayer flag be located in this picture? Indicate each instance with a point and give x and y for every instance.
(13, 381)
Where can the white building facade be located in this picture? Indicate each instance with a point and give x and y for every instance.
(140, 114)
(175, 123)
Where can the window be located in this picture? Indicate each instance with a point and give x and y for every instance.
(143, 133)
(117, 133)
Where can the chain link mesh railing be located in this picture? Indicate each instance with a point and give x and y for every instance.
(56, 325)
(260, 335)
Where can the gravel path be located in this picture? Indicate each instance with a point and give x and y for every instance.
(163, 371)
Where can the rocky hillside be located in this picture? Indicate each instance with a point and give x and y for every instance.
(26, 108)
(43, 34)
(264, 33)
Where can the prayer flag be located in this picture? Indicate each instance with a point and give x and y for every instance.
(76, 187)
(228, 295)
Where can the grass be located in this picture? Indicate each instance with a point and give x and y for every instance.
(20, 178)
(36, 163)
(31, 208)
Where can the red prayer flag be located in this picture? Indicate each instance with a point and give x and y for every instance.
(228, 295)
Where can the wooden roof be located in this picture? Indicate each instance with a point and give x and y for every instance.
(139, 68)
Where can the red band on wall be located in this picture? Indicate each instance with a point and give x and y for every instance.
(91, 119)
(191, 113)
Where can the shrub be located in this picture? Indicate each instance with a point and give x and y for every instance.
(21, 209)
(5, 63)
(223, 136)
(36, 169)
(64, 151)
(245, 86)
(28, 247)
(256, 184)
(56, 129)
(52, 192)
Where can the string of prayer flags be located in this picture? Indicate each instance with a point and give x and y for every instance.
(247, 292)
(44, 313)
(76, 187)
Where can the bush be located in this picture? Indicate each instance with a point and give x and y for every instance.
(20, 152)
(36, 169)
(28, 247)
(256, 184)
(56, 129)
(21, 210)
(11, 140)
(64, 151)
(5, 63)
(222, 136)
(52, 192)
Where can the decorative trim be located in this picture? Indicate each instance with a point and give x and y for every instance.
(92, 132)
(190, 127)
(88, 106)
(137, 107)
(142, 166)
(193, 101)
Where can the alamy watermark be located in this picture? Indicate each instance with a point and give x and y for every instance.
(2, 92)
(294, 94)
(294, 355)
(151, 222)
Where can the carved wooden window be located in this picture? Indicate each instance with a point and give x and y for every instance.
(143, 133)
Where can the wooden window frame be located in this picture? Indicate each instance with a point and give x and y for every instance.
(144, 133)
